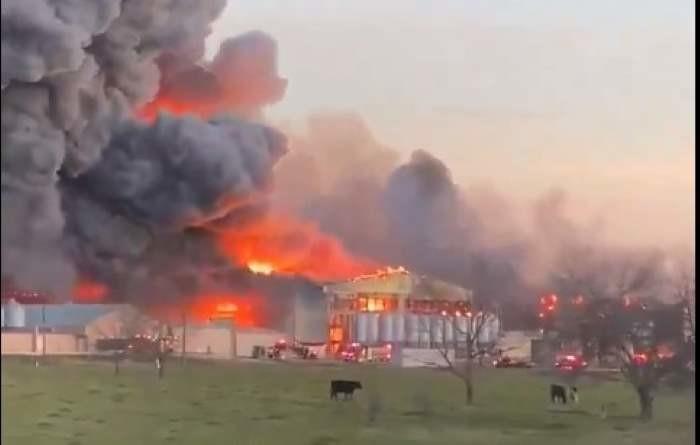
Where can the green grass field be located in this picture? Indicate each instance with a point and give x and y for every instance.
(83, 403)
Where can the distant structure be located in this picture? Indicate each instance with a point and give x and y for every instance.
(397, 307)
(63, 328)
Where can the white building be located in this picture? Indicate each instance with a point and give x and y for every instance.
(222, 340)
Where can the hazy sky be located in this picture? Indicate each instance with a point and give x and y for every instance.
(594, 96)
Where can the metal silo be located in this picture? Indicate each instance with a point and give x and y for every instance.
(496, 328)
(386, 332)
(489, 333)
(361, 328)
(485, 333)
(424, 330)
(14, 315)
(373, 328)
(461, 329)
(399, 328)
(449, 329)
(437, 326)
(412, 329)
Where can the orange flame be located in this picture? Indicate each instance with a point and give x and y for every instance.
(261, 268)
(243, 310)
(290, 247)
(150, 112)
(87, 291)
(275, 243)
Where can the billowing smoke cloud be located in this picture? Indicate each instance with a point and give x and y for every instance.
(86, 182)
(183, 172)
(135, 213)
(413, 214)
(240, 80)
(97, 182)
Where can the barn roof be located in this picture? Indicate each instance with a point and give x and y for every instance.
(66, 315)
(400, 282)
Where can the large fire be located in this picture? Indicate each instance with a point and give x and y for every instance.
(383, 273)
(242, 310)
(275, 243)
(261, 268)
(88, 291)
(150, 112)
(272, 244)
(287, 246)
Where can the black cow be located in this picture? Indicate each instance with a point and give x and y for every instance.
(345, 387)
(557, 394)
(573, 392)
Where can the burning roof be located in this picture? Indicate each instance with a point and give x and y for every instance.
(400, 281)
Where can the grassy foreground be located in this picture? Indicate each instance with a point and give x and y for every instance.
(79, 403)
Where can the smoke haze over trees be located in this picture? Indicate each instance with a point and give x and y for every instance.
(412, 213)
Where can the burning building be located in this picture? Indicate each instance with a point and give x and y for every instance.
(140, 172)
(400, 308)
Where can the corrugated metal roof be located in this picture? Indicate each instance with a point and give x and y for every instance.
(401, 284)
(66, 315)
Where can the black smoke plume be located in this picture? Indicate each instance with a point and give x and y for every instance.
(89, 187)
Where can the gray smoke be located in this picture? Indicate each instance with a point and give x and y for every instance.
(134, 215)
(413, 214)
(183, 172)
(89, 187)
(86, 184)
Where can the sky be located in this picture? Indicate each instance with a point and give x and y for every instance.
(595, 97)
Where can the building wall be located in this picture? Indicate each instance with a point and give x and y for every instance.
(61, 343)
(213, 342)
(221, 342)
(17, 342)
(247, 339)
(308, 318)
(124, 321)
(420, 358)
(28, 343)
(518, 344)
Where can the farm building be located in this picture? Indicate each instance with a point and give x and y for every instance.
(412, 313)
(399, 308)
(66, 328)
(223, 340)
(75, 328)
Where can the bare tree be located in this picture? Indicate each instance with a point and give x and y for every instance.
(596, 277)
(634, 335)
(621, 314)
(608, 274)
(684, 293)
(460, 351)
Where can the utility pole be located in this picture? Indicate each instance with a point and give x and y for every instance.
(234, 339)
(43, 322)
(184, 335)
(295, 302)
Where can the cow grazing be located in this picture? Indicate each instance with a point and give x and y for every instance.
(345, 387)
(573, 393)
(557, 394)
